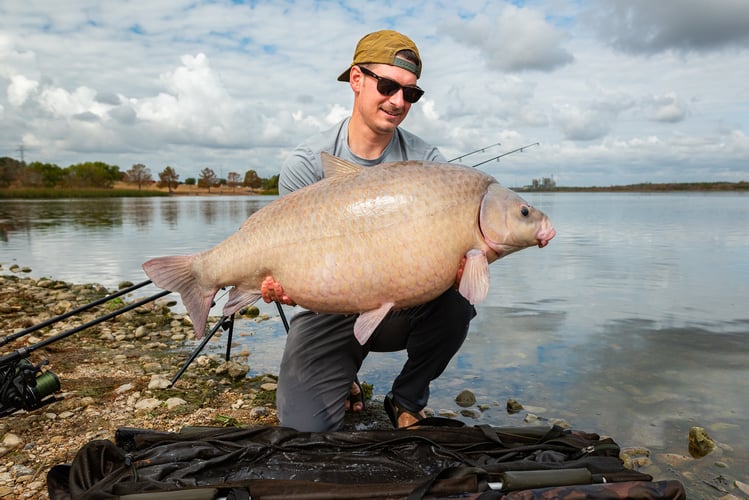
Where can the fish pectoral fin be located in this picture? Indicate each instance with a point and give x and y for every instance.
(239, 298)
(474, 284)
(369, 320)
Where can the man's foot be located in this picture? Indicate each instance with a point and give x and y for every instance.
(355, 400)
(399, 416)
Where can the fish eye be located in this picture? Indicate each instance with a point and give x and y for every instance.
(525, 211)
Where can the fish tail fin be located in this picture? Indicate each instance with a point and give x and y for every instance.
(175, 273)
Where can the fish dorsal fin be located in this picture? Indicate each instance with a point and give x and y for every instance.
(333, 166)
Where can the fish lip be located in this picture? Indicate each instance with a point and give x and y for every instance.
(544, 239)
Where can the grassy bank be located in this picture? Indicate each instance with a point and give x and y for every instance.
(122, 190)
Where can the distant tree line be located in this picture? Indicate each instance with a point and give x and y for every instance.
(14, 173)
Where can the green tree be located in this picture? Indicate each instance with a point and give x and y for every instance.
(252, 180)
(10, 171)
(208, 178)
(38, 174)
(190, 181)
(271, 184)
(139, 174)
(169, 178)
(92, 174)
(233, 180)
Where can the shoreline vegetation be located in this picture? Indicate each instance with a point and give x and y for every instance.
(124, 190)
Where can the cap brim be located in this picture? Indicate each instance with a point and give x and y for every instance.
(345, 76)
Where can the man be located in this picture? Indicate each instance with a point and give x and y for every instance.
(322, 356)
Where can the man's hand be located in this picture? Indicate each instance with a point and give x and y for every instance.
(272, 291)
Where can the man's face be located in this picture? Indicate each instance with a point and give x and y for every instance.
(382, 113)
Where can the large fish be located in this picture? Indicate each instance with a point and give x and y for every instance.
(363, 240)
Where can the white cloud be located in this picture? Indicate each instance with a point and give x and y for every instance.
(191, 84)
(20, 89)
(516, 39)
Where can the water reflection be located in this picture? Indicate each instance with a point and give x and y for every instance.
(170, 213)
(142, 214)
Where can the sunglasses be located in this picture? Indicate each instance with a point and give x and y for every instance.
(388, 87)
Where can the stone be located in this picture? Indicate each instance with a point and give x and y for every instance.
(11, 441)
(742, 486)
(232, 369)
(159, 381)
(465, 398)
(124, 388)
(700, 443)
(147, 404)
(513, 406)
(471, 413)
(258, 411)
(175, 402)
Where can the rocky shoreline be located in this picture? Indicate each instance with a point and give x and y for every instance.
(117, 374)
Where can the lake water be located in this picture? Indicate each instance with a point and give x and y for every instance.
(633, 322)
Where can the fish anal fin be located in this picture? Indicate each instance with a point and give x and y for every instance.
(333, 166)
(474, 283)
(368, 321)
(239, 298)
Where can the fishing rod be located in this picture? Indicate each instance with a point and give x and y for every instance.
(480, 150)
(10, 338)
(522, 148)
(24, 385)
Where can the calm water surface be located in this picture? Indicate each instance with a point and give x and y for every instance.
(633, 322)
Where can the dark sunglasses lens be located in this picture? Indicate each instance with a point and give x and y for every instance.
(387, 87)
(412, 94)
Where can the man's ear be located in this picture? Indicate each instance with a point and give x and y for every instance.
(355, 79)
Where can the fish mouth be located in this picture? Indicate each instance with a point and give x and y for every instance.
(544, 239)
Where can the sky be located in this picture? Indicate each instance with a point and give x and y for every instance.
(603, 92)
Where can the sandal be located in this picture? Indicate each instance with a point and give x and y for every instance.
(394, 411)
(357, 398)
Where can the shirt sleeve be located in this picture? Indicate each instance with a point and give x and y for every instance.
(300, 168)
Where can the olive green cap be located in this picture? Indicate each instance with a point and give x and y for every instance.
(380, 47)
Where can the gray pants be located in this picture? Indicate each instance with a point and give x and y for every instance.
(322, 357)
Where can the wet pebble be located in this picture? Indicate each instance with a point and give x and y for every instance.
(513, 406)
(465, 398)
(700, 443)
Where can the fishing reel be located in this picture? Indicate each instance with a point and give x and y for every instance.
(24, 385)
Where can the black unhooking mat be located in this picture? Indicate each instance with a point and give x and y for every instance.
(272, 462)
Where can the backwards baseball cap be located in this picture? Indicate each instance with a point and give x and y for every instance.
(381, 47)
